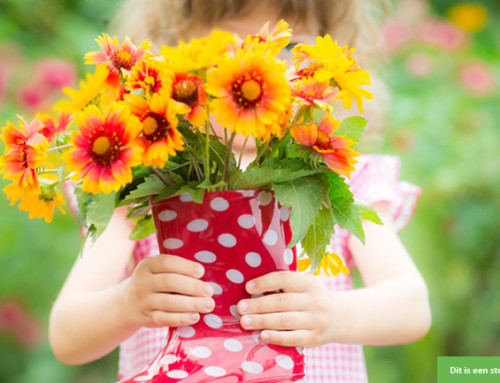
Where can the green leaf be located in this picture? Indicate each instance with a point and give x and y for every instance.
(319, 236)
(352, 128)
(143, 228)
(367, 212)
(100, 210)
(262, 176)
(151, 186)
(304, 196)
(345, 213)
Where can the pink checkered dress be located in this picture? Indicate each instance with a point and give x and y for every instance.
(376, 179)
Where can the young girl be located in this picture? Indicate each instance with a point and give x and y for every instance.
(98, 309)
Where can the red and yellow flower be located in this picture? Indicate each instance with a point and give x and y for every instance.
(159, 136)
(308, 92)
(335, 150)
(104, 149)
(25, 151)
(50, 128)
(118, 57)
(149, 75)
(250, 91)
(275, 40)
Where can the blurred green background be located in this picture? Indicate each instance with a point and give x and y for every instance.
(443, 69)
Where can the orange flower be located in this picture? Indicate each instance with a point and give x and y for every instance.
(104, 149)
(50, 129)
(118, 57)
(189, 91)
(160, 137)
(335, 150)
(25, 151)
(308, 92)
(331, 264)
(250, 91)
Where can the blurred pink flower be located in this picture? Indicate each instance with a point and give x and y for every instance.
(15, 319)
(477, 78)
(34, 96)
(396, 34)
(419, 64)
(55, 73)
(442, 34)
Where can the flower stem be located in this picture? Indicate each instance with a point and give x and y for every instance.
(207, 151)
(160, 176)
(60, 147)
(242, 152)
(227, 165)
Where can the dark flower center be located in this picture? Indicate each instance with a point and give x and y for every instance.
(322, 140)
(105, 148)
(155, 127)
(186, 91)
(248, 91)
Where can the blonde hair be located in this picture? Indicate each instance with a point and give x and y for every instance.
(355, 23)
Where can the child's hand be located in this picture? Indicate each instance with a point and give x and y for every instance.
(166, 290)
(300, 315)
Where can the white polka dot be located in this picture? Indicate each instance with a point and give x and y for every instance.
(197, 225)
(186, 197)
(288, 256)
(253, 259)
(168, 359)
(219, 204)
(212, 320)
(143, 378)
(201, 352)
(235, 276)
(217, 288)
(234, 311)
(270, 238)
(284, 213)
(246, 192)
(246, 221)
(252, 367)
(172, 243)
(205, 256)
(167, 215)
(177, 374)
(227, 240)
(215, 371)
(233, 345)
(284, 361)
(186, 331)
(265, 198)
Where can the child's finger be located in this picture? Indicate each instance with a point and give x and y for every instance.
(167, 263)
(290, 320)
(296, 338)
(162, 319)
(274, 303)
(181, 303)
(289, 281)
(180, 284)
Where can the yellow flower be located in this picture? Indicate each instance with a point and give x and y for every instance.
(471, 17)
(199, 53)
(94, 90)
(327, 62)
(331, 264)
(250, 91)
(39, 203)
(275, 40)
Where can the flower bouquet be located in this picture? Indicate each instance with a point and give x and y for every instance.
(156, 134)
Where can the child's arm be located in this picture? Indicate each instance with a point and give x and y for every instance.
(96, 310)
(393, 308)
